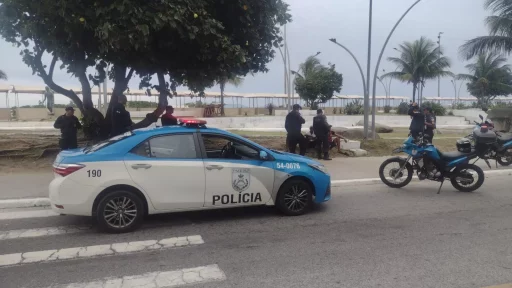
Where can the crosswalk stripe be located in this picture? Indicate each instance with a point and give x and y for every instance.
(160, 279)
(39, 232)
(97, 250)
(27, 214)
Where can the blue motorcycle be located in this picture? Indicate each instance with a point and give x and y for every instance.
(432, 164)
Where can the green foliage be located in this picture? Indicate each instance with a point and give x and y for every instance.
(419, 61)
(354, 108)
(335, 110)
(33, 106)
(450, 113)
(437, 108)
(197, 104)
(318, 82)
(489, 77)
(387, 109)
(460, 106)
(500, 104)
(402, 109)
(142, 104)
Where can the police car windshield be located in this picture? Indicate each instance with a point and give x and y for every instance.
(105, 143)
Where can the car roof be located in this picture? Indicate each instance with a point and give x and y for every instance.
(175, 129)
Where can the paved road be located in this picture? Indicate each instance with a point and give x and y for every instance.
(367, 236)
(32, 185)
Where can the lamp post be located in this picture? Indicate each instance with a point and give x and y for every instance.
(365, 90)
(367, 96)
(438, 57)
(378, 63)
(454, 89)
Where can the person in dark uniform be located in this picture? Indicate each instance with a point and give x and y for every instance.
(417, 120)
(68, 125)
(293, 126)
(322, 130)
(121, 120)
(167, 118)
(430, 124)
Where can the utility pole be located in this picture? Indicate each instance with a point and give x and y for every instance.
(438, 57)
(367, 92)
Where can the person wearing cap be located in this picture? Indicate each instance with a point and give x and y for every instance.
(293, 126)
(322, 130)
(417, 120)
(167, 118)
(68, 125)
(430, 124)
(121, 120)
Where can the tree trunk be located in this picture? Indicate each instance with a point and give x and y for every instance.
(414, 86)
(222, 86)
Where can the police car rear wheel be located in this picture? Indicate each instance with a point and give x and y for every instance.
(120, 212)
(295, 197)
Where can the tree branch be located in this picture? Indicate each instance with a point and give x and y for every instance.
(52, 67)
(129, 77)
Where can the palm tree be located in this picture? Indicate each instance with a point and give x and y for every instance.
(500, 30)
(419, 61)
(232, 80)
(3, 76)
(490, 77)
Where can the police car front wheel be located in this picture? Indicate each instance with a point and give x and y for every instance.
(295, 197)
(119, 212)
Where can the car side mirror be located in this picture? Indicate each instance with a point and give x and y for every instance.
(481, 117)
(263, 155)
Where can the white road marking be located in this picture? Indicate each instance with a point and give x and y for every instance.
(98, 250)
(27, 214)
(39, 232)
(160, 279)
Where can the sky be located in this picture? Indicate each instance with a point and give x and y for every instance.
(314, 22)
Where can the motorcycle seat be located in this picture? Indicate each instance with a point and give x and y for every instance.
(450, 156)
(505, 137)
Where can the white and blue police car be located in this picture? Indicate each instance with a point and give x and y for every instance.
(180, 168)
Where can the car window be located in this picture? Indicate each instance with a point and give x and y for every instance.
(105, 143)
(168, 146)
(221, 147)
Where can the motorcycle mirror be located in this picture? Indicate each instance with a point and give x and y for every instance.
(481, 117)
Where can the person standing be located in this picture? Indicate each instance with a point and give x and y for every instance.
(417, 120)
(168, 119)
(322, 130)
(293, 126)
(121, 119)
(49, 97)
(69, 126)
(430, 124)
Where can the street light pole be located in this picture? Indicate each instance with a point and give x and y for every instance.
(378, 63)
(367, 94)
(365, 89)
(438, 57)
(455, 89)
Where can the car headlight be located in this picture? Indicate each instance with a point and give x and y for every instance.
(319, 167)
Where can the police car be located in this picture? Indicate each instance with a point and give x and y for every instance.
(180, 168)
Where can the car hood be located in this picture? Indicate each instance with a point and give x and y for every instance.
(285, 156)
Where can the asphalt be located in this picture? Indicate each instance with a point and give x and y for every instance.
(366, 236)
(34, 185)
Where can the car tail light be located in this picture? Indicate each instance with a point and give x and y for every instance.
(66, 169)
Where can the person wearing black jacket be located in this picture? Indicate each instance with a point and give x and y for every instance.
(121, 120)
(322, 130)
(68, 125)
(293, 126)
(418, 120)
(430, 124)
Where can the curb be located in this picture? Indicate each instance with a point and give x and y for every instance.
(45, 202)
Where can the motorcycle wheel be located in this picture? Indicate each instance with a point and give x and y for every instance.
(461, 174)
(506, 159)
(391, 173)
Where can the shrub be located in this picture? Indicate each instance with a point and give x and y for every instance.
(387, 109)
(460, 106)
(334, 110)
(402, 109)
(437, 108)
(354, 108)
(450, 113)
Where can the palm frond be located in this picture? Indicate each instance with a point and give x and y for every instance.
(3, 76)
(396, 75)
(499, 25)
(465, 77)
(499, 6)
(484, 44)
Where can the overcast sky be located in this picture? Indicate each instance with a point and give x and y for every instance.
(314, 22)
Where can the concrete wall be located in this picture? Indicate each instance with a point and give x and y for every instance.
(5, 114)
(38, 114)
(470, 114)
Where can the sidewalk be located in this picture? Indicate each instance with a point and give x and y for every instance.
(35, 185)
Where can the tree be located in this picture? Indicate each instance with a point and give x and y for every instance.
(232, 80)
(190, 42)
(489, 77)
(500, 31)
(3, 76)
(419, 61)
(318, 82)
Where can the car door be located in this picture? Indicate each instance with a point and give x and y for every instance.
(237, 178)
(170, 170)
